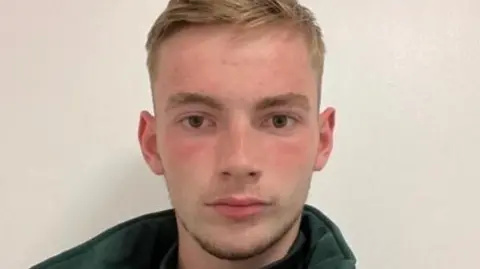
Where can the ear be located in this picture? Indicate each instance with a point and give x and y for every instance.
(326, 122)
(147, 136)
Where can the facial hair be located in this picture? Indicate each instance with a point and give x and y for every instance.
(211, 248)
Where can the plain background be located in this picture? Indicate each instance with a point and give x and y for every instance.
(403, 180)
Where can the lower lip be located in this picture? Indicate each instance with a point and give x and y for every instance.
(238, 212)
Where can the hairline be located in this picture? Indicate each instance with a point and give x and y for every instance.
(154, 47)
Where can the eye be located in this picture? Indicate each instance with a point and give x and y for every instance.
(196, 121)
(281, 121)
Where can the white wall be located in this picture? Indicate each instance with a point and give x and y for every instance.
(404, 75)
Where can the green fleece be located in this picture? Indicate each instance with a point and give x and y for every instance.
(149, 242)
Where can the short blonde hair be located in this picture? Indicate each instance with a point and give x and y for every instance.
(247, 13)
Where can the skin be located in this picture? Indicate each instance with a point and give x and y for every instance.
(236, 114)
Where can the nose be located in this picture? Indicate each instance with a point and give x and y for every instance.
(239, 153)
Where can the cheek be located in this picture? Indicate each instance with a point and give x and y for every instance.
(293, 153)
(186, 163)
(180, 149)
(290, 166)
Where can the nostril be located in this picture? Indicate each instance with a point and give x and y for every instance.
(249, 174)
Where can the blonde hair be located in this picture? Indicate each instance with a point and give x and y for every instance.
(247, 13)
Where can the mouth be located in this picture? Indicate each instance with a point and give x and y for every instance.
(239, 208)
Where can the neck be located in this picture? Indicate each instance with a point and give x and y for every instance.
(192, 256)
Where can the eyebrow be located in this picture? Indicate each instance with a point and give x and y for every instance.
(282, 100)
(189, 98)
(288, 99)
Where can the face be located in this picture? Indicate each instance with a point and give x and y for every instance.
(237, 134)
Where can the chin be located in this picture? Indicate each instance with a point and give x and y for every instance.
(240, 243)
(229, 251)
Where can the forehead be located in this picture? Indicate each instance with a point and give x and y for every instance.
(236, 64)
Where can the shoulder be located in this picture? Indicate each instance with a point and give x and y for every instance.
(328, 247)
(126, 245)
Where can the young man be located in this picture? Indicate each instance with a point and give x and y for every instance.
(237, 133)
